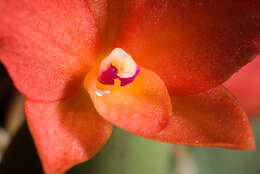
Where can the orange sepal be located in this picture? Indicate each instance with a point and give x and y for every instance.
(141, 107)
(66, 132)
(47, 46)
(213, 118)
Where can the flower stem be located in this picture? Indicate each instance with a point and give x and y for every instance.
(183, 160)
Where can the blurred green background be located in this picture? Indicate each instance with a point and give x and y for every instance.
(126, 153)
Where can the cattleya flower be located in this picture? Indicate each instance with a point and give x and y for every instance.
(154, 68)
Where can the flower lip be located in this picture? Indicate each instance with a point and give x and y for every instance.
(118, 65)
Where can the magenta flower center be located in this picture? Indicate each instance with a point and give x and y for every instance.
(118, 65)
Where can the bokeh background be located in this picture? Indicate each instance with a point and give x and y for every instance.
(124, 153)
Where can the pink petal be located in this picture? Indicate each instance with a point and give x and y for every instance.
(245, 85)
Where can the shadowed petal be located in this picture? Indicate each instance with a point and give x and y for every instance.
(111, 15)
(245, 85)
(192, 45)
(66, 132)
(143, 106)
(47, 46)
(213, 118)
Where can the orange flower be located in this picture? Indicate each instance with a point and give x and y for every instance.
(150, 67)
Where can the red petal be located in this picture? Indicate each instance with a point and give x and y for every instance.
(192, 46)
(111, 15)
(213, 118)
(257, 42)
(47, 45)
(66, 132)
(141, 107)
(245, 85)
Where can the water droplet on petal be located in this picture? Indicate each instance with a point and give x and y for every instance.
(101, 93)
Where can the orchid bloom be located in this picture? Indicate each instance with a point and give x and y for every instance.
(154, 68)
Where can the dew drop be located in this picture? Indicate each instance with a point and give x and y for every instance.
(100, 93)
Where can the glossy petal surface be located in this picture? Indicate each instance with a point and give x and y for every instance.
(245, 85)
(213, 118)
(141, 107)
(192, 45)
(66, 132)
(47, 46)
